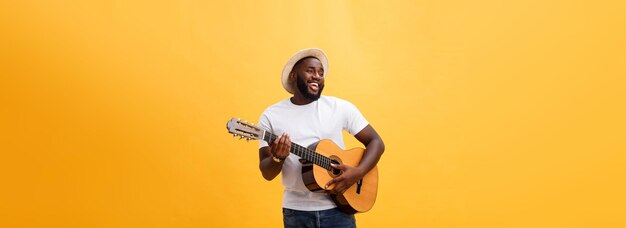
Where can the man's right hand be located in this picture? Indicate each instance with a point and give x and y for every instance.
(280, 147)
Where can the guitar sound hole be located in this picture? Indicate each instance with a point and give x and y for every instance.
(336, 172)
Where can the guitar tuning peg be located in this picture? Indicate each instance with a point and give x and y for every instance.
(248, 139)
(241, 137)
(234, 135)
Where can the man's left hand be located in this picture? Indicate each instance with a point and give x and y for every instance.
(347, 178)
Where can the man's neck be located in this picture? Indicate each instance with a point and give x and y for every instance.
(300, 100)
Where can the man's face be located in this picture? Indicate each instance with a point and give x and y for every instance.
(309, 75)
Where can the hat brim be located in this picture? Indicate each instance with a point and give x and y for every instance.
(309, 52)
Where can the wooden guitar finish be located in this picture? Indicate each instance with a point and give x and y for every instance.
(361, 196)
(316, 169)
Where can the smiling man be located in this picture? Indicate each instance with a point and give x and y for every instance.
(305, 118)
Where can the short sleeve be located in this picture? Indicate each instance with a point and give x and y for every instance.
(354, 120)
(264, 123)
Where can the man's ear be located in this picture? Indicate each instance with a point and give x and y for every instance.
(292, 75)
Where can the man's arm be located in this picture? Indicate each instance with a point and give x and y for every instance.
(374, 148)
(280, 149)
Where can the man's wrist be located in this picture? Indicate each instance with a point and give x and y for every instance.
(277, 159)
(360, 171)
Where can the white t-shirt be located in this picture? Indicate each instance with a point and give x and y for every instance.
(307, 124)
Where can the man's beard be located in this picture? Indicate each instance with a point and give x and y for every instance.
(304, 89)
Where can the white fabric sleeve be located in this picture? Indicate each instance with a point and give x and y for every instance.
(264, 123)
(355, 121)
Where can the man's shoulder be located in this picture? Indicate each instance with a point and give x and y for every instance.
(335, 101)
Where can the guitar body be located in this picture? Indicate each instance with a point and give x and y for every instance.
(361, 196)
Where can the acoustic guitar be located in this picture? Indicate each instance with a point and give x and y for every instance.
(316, 169)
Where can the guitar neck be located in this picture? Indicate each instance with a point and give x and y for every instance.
(303, 152)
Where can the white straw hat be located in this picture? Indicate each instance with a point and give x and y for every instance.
(309, 52)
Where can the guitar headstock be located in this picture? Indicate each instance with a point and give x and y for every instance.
(243, 129)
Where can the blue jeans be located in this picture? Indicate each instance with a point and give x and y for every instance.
(317, 219)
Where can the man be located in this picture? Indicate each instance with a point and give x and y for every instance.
(306, 118)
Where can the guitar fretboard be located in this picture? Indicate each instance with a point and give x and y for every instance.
(303, 152)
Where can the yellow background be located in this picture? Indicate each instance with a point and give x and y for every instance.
(494, 113)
